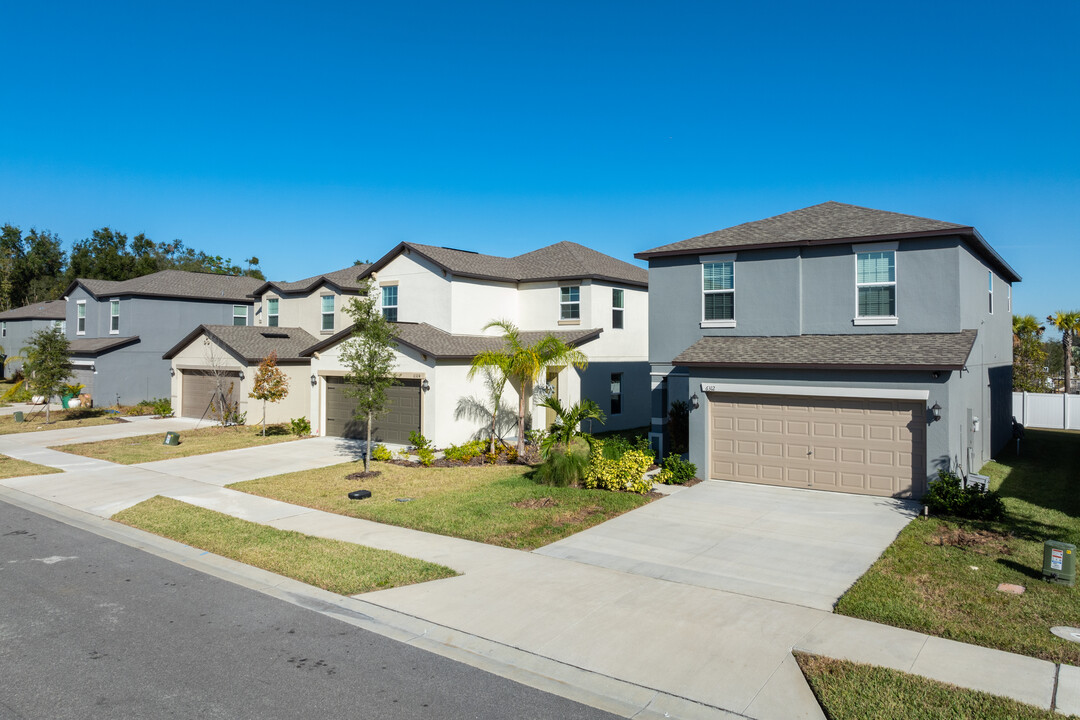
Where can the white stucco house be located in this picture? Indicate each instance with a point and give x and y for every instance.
(441, 299)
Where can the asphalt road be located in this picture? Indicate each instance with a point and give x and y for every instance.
(91, 628)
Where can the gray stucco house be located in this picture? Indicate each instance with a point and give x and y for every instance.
(119, 330)
(834, 347)
(18, 324)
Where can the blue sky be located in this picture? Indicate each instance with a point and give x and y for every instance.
(314, 136)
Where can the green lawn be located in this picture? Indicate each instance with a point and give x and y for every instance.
(10, 467)
(851, 691)
(58, 420)
(148, 448)
(941, 576)
(490, 504)
(333, 565)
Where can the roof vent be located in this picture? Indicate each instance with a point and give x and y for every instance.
(276, 335)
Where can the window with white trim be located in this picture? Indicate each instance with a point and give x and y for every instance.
(875, 284)
(570, 303)
(990, 280)
(616, 393)
(390, 302)
(80, 317)
(271, 312)
(718, 293)
(616, 308)
(327, 312)
(239, 314)
(114, 316)
(60, 325)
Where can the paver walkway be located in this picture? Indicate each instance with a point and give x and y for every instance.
(685, 650)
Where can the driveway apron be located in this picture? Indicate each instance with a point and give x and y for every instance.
(804, 547)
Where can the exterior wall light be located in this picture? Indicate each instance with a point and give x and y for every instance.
(936, 411)
(425, 385)
(241, 374)
(314, 380)
(172, 372)
(695, 403)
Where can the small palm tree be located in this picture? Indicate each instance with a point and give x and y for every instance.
(568, 422)
(1068, 322)
(522, 364)
(495, 416)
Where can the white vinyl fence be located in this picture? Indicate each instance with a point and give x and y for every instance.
(1046, 410)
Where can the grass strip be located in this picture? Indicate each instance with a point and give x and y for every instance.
(941, 575)
(498, 505)
(58, 420)
(11, 467)
(853, 691)
(333, 565)
(150, 448)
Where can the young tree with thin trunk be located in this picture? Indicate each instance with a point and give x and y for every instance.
(47, 364)
(271, 385)
(369, 357)
(523, 363)
(1068, 322)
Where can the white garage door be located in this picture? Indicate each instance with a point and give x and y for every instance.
(869, 447)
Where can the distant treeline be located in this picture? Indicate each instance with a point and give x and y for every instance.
(34, 266)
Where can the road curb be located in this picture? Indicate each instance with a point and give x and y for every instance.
(542, 673)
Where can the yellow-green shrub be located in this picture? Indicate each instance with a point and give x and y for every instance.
(625, 473)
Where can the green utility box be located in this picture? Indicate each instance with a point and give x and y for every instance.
(1059, 562)
(19, 417)
(172, 438)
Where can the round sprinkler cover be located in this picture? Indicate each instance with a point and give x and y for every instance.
(1069, 633)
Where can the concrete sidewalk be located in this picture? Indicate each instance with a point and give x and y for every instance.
(645, 645)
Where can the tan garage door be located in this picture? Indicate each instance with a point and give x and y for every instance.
(402, 417)
(197, 391)
(869, 447)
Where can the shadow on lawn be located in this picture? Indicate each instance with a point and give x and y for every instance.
(1045, 473)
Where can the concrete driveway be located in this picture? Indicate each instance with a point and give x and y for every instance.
(804, 547)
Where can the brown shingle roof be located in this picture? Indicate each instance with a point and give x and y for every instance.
(561, 261)
(252, 342)
(344, 279)
(99, 346)
(52, 310)
(442, 345)
(828, 223)
(938, 351)
(176, 283)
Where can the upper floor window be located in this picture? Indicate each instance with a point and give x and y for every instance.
(875, 286)
(114, 316)
(616, 308)
(718, 293)
(327, 312)
(272, 312)
(990, 278)
(60, 325)
(390, 302)
(239, 314)
(80, 317)
(570, 303)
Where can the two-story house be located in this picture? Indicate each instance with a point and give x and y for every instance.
(118, 330)
(289, 317)
(442, 298)
(834, 347)
(18, 324)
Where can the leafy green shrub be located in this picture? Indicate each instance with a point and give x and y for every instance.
(947, 496)
(71, 389)
(563, 467)
(381, 453)
(275, 429)
(426, 456)
(676, 471)
(162, 407)
(616, 446)
(535, 437)
(404, 453)
(418, 441)
(300, 426)
(466, 452)
(624, 473)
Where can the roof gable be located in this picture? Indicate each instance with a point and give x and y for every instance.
(345, 280)
(251, 342)
(179, 284)
(52, 310)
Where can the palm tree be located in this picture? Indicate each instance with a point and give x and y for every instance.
(498, 418)
(567, 422)
(1029, 357)
(522, 364)
(1068, 322)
